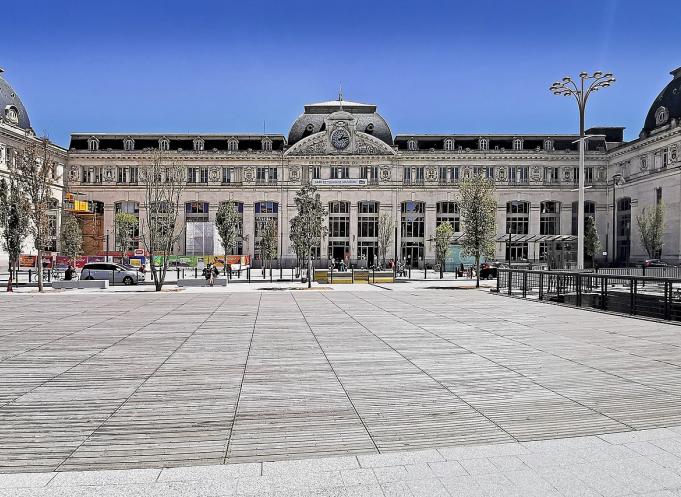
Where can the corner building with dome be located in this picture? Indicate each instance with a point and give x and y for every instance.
(348, 150)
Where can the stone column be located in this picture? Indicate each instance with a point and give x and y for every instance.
(430, 219)
(249, 228)
(353, 230)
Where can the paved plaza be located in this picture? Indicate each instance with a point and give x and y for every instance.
(118, 380)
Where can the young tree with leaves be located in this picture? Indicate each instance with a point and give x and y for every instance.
(443, 238)
(71, 237)
(228, 224)
(268, 243)
(478, 208)
(591, 242)
(126, 224)
(651, 229)
(386, 229)
(307, 226)
(14, 221)
(163, 181)
(34, 173)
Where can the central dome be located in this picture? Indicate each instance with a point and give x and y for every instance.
(312, 120)
(11, 108)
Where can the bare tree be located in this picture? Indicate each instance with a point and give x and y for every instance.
(478, 219)
(443, 238)
(651, 228)
(126, 224)
(14, 221)
(228, 224)
(307, 227)
(386, 228)
(71, 237)
(164, 181)
(34, 171)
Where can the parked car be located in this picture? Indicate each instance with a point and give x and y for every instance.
(488, 270)
(114, 273)
(654, 263)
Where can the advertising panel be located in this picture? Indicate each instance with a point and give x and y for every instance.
(27, 260)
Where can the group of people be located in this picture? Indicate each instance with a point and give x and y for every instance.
(210, 272)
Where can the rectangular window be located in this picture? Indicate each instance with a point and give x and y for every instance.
(413, 175)
(315, 172)
(197, 175)
(340, 172)
(370, 173)
(266, 175)
(551, 175)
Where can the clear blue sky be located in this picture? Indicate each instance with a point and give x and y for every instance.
(430, 66)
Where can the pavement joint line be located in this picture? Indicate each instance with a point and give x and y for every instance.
(99, 426)
(596, 345)
(340, 382)
(70, 368)
(421, 369)
(241, 385)
(502, 365)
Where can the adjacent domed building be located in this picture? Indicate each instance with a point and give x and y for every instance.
(666, 109)
(13, 111)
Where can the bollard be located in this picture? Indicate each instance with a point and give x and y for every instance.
(29, 275)
(196, 272)
(352, 272)
(178, 272)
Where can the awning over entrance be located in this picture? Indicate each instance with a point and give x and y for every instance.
(536, 238)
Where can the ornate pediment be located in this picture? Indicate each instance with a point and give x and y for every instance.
(340, 138)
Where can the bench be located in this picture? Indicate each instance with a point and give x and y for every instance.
(196, 282)
(80, 284)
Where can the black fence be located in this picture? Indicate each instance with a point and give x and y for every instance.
(647, 296)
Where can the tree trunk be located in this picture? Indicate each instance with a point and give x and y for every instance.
(309, 271)
(477, 271)
(40, 268)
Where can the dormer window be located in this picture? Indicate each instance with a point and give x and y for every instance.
(12, 114)
(548, 145)
(448, 145)
(483, 144)
(164, 144)
(232, 145)
(266, 144)
(517, 144)
(199, 144)
(661, 116)
(412, 145)
(92, 144)
(128, 144)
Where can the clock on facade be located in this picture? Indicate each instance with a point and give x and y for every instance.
(340, 139)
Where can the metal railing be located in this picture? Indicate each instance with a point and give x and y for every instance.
(647, 296)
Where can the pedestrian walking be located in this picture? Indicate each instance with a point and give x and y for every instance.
(213, 273)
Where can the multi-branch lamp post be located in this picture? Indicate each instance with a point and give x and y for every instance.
(581, 90)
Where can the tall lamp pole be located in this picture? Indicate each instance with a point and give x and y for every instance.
(581, 90)
(617, 180)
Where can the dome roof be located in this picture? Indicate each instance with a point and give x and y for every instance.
(667, 105)
(11, 108)
(312, 120)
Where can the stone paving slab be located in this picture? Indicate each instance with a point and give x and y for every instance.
(172, 379)
(620, 464)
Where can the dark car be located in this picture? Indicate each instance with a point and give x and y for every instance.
(654, 263)
(488, 270)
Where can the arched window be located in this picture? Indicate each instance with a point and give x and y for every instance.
(199, 144)
(92, 144)
(413, 232)
(265, 212)
(412, 145)
(661, 115)
(164, 144)
(548, 145)
(199, 231)
(266, 144)
(238, 248)
(483, 144)
(517, 144)
(12, 114)
(589, 211)
(232, 145)
(128, 144)
(549, 220)
(448, 145)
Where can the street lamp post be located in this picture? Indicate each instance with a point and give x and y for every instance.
(617, 180)
(587, 84)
